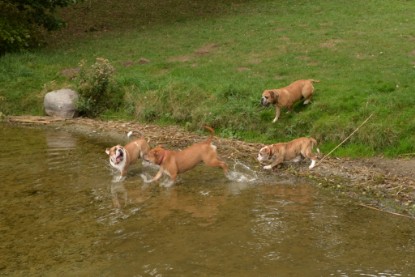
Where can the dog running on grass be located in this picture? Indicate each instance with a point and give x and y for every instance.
(287, 96)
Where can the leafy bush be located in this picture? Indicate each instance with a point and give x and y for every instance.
(97, 89)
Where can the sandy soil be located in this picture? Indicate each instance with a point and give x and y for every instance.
(384, 184)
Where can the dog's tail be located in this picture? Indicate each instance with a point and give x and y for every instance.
(135, 133)
(212, 133)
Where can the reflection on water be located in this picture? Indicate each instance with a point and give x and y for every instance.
(61, 213)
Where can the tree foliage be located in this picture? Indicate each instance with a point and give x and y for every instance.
(23, 22)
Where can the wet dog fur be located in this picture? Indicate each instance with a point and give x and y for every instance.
(121, 157)
(174, 162)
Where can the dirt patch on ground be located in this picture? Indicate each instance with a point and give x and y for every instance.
(206, 49)
(202, 51)
(380, 183)
(332, 43)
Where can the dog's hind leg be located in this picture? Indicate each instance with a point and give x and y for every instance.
(215, 162)
(313, 164)
(308, 154)
(223, 165)
(297, 159)
(307, 93)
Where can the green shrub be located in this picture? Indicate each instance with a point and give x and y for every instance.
(97, 89)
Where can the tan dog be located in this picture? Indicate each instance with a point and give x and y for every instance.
(122, 157)
(288, 96)
(174, 162)
(294, 150)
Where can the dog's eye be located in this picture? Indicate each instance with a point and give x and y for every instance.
(266, 97)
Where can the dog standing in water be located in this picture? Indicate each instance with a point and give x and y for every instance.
(174, 162)
(121, 157)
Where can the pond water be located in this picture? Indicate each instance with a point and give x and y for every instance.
(62, 214)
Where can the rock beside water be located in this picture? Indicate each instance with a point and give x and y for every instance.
(61, 103)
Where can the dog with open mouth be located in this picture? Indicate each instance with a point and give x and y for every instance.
(294, 150)
(121, 157)
(174, 162)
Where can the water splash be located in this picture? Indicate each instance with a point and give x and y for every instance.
(165, 181)
(242, 173)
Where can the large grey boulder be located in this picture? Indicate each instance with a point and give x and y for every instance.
(61, 103)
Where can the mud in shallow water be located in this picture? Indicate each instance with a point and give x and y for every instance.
(62, 214)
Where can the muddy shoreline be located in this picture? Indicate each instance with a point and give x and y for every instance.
(380, 183)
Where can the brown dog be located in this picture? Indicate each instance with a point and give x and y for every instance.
(175, 162)
(294, 150)
(122, 157)
(288, 96)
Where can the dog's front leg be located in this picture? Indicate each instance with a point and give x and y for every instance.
(155, 178)
(118, 179)
(124, 171)
(273, 164)
(277, 114)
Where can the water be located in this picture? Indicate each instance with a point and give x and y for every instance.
(62, 214)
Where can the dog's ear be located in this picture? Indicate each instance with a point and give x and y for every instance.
(274, 95)
(158, 154)
(157, 150)
(268, 151)
(264, 150)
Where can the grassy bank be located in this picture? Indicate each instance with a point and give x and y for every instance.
(195, 63)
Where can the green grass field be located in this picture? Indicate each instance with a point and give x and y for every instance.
(208, 63)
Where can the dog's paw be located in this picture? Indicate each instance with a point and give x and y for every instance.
(267, 167)
(312, 165)
(167, 183)
(118, 179)
(145, 179)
